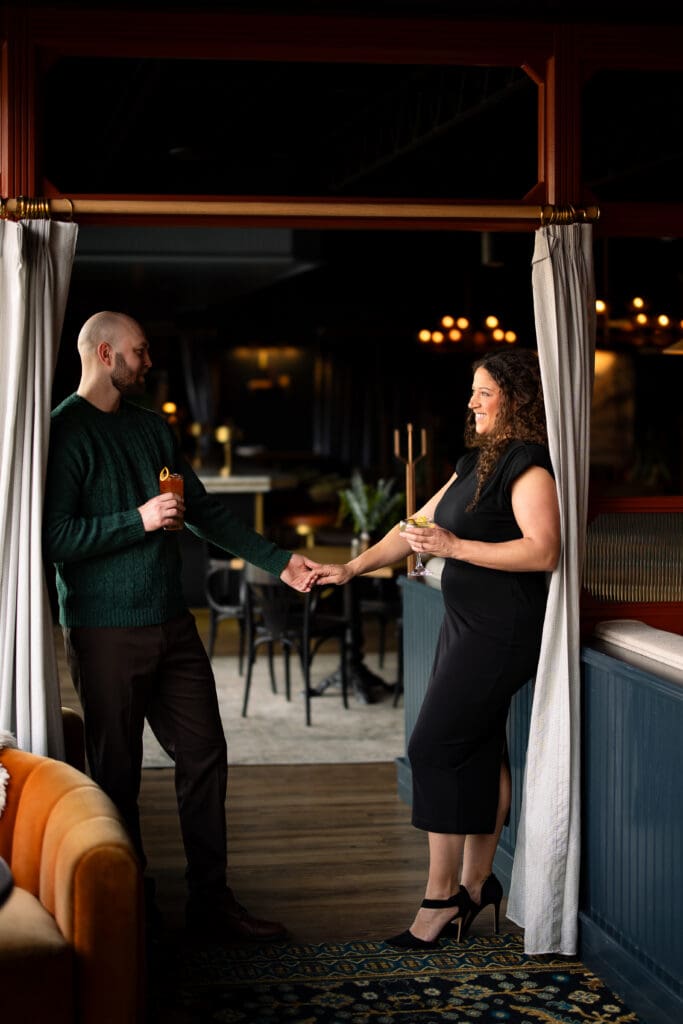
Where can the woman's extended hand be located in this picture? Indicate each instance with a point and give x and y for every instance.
(331, 573)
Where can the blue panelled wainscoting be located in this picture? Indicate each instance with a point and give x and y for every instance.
(631, 903)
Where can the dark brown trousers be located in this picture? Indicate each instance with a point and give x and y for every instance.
(161, 673)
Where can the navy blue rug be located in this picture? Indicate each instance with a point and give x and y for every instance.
(485, 980)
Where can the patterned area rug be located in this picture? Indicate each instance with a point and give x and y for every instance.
(486, 980)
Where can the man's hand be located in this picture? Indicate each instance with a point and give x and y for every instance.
(162, 511)
(298, 573)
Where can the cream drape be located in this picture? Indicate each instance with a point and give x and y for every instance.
(35, 269)
(545, 876)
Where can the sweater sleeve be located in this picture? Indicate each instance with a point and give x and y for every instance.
(211, 520)
(68, 535)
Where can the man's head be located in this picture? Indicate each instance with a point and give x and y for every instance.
(113, 346)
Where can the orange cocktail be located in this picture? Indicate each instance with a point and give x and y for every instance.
(172, 483)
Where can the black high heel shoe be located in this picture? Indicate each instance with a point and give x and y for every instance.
(460, 901)
(491, 892)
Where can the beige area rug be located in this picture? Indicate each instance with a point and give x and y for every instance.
(274, 731)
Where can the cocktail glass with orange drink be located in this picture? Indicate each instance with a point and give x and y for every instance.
(172, 483)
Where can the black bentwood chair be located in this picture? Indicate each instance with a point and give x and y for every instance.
(277, 614)
(224, 588)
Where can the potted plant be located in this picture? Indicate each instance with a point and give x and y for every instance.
(373, 508)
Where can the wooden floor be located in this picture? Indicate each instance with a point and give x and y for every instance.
(329, 849)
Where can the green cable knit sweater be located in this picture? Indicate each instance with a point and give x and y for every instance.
(101, 468)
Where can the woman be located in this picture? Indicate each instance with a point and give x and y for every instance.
(497, 526)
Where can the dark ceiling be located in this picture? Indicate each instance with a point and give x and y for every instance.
(342, 131)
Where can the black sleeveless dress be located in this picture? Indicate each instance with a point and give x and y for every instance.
(487, 649)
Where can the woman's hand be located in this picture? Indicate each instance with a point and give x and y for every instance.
(332, 573)
(429, 540)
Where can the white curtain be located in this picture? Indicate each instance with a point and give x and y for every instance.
(35, 268)
(545, 876)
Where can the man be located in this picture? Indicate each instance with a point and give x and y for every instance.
(131, 643)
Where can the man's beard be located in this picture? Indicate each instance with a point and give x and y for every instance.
(124, 379)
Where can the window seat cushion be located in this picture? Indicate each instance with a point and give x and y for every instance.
(656, 650)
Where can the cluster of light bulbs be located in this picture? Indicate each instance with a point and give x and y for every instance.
(640, 327)
(459, 329)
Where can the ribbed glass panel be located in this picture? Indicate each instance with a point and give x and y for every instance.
(635, 556)
(633, 812)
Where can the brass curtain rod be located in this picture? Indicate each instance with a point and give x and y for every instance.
(23, 208)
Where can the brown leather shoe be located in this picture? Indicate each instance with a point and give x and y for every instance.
(223, 919)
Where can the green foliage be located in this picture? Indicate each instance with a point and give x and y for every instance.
(372, 508)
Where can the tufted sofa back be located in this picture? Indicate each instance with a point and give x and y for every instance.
(66, 846)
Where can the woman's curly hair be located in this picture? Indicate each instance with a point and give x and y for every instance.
(521, 414)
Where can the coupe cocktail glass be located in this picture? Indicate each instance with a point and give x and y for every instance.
(420, 568)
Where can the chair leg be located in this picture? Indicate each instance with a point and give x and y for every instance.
(382, 639)
(240, 661)
(288, 685)
(306, 666)
(271, 667)
(212, 632)
(247, 682)
(343, 670)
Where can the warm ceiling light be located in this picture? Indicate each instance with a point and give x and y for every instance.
(425, 335)
(600, 306)
(498, 334)
(641, 319)
(510, 337)
(462, 322)
(437, 337)
(455, 334)
(447, 321)
(491, 322)
(638, 303)
(663, 320)
(169, 408)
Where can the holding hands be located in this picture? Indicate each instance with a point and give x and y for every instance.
(300, 573)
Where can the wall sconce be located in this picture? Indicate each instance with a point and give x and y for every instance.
(223, 435)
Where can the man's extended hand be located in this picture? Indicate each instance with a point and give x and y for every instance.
(298, 573)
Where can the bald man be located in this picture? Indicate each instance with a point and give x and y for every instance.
(131, 642)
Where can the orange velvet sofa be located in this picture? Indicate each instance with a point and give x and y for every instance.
(71, 931)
